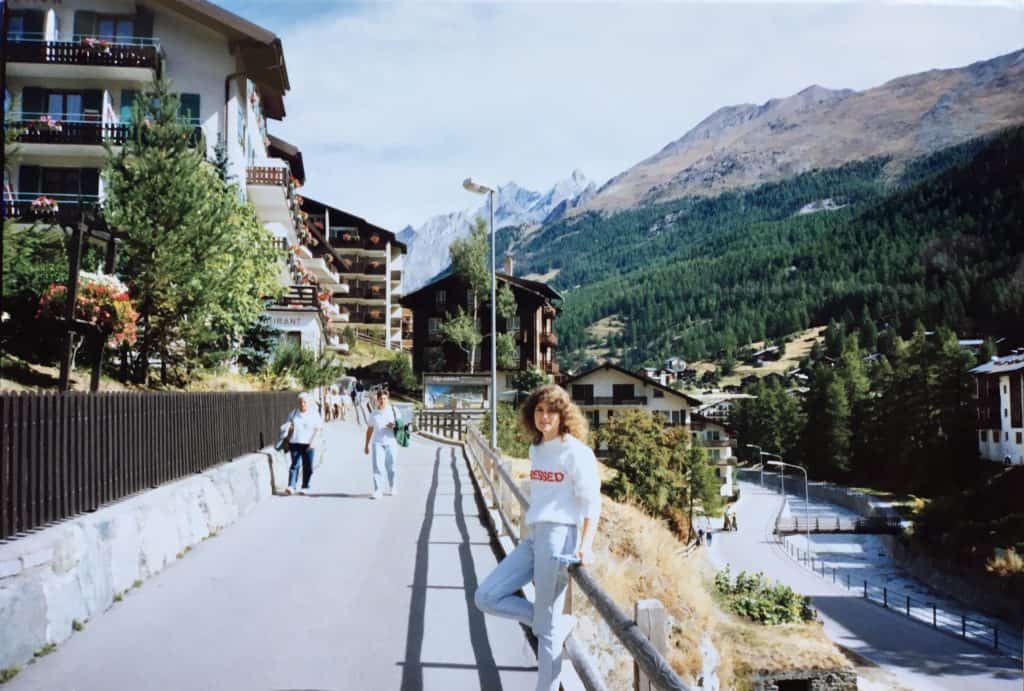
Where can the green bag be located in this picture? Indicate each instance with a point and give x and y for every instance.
(401, 430)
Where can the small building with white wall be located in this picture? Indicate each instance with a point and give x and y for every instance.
(999, 394)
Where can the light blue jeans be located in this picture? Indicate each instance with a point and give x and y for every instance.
(534, 558)
(383, 462)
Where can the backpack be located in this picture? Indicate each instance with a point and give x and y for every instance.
(401, 430)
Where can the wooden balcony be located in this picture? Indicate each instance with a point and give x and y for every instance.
(549, 311)
(715, 443)
(298, 297)
(607, 400)
(140, 53)
(548, 339)
(56, 208)
(551, 367)
(278, 176)
(64, 132)
(371, 267)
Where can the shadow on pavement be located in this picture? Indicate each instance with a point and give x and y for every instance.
(896, 644)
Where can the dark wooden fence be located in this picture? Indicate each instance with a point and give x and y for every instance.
(63, 454)
(447, 423)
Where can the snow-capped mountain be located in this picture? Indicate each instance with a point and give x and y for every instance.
(514, 206)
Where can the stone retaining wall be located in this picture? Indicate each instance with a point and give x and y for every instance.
(73, 570)
(974, 592)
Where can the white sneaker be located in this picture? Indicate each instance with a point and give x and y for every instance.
(391, 492)
(289, 491)
(303, 491)
(375, 495)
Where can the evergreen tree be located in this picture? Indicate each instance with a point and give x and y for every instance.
(197, 260)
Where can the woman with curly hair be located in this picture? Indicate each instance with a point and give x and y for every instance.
(565, 505)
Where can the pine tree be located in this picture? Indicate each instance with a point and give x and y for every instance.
(198, 262)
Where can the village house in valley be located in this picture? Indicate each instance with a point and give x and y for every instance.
(999, 387)
(533, 324)
(607, 390)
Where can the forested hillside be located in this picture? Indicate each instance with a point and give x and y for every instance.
(697, 276)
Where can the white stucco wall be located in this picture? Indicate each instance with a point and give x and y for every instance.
(1002, 442)
(603, 381)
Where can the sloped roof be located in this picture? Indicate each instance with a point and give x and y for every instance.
(639, 377)
(259, 50)
(536, 287)
(1003, 365)
(313, 206)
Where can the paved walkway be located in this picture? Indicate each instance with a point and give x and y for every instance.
(910, 655)
(332, 591)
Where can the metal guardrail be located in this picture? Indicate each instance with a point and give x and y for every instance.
(838, 524)
(510, 503)
(958, 623)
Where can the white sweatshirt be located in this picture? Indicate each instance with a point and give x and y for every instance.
(564, 484)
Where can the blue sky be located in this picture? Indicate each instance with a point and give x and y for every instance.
(393, 104)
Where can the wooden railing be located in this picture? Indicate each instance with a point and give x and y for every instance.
(299, 297)
(267, 175)
(63, 132)
(63, 454)
(449, 424)
(610, 400)
(66, 53)
(507, 503)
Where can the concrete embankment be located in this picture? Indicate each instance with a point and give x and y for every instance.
(76, 570)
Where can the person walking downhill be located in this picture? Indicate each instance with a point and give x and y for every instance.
(380, 434)
(305, 428)
(565, 506)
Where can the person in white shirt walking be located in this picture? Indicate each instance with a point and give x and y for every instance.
(305, 427)
(565, 506)
(380, 435)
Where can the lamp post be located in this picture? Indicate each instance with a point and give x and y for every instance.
(759, 454)
(480, 188)
(807, 500)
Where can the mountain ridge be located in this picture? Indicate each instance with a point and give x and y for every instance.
(744, 145)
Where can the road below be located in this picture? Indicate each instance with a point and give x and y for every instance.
(332, 591)
(909, 654)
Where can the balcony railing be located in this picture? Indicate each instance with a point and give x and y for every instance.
(373, 267)
(85, 50)
(53, 207)
(548, 339)
(298, 297)
(37, 131)
(715, 443)
(267, 175)
(606, 400)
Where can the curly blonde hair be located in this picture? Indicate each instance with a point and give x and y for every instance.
(571, 420)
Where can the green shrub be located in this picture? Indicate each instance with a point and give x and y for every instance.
(748, 595)
(511, 438)
(8, 673)
(400, 372)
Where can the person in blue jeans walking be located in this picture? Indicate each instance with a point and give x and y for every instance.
(565, 506)
(380, 435)
(305, 427)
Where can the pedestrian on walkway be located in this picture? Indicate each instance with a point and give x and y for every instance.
(700, 536)
(380, 434)
(305, 426)
(565, 505)
(709, 535)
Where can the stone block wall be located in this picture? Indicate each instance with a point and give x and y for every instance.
(73, 570)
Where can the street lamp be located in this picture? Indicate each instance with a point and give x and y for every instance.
(480, 188)
(759, 454)
(807, 500)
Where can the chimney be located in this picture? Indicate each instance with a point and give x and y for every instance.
(508, 264)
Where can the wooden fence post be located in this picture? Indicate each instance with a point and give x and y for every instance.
(524, 530)
(653, 624)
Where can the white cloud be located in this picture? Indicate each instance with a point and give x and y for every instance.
(393, 105)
